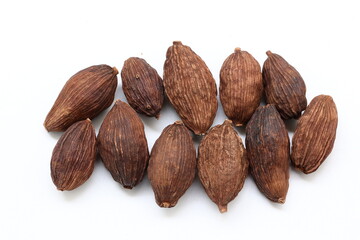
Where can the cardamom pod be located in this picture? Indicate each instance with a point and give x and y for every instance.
(241, 86)
(74, 155)
(315, 134)
(284, 87)
(123, 146)
(85, 95)
(222, 164)
(190, 87)
(142, 86)
(172, 164)
(267, 146)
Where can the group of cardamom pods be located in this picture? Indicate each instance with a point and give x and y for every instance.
(222, 163)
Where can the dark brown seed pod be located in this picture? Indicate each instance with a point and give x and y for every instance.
(190, 87)
(74, 155)
(268, 150)
(85, 95)
(315, 134)
(123, 146)
(241, 86)
(172, 164)
(142, 86)
(222, 164)
(284, 87)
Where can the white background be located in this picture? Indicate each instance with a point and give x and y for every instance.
(43, 43)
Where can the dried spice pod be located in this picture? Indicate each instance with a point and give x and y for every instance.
(284, 87)
(222, 164)
(123, 146)
(74, 155)
(142, 86)
(190, 87)
(172, 164)
(241, 86)
(268, 150)
(315, 134)
(85, 95)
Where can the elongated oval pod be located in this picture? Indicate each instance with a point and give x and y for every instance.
(284, 87)
(241, 86)
(142, 86)
(315, 134)
(172, 164)
(222, 164)
(268, 151)
(123, 146)
(85, 95)
(74, 155)
(190, 88)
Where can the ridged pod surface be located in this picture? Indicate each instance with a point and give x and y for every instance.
(190, 87)
(74, 155)
(85, 95)
(268, 151)
(142, 86)
(241, 86)
(222, 164)
(123, 146)
(284, 87)
(172, 164)
(315, 134)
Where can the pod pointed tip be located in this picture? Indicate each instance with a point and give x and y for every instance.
(165, 205)
(115, 71)
(237, 50)
(222, 208)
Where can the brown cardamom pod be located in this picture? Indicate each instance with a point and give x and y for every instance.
(123, 146)
(284, 87)
(85, 95)
(142, 86)
(190, 87)
(267, 147)
(315, 134)
(172, 164)
(74, 155)
(222, 164)
(241, 86)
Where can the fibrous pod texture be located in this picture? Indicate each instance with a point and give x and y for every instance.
(74, 155)
(222, 164)
(284, 87)
(315, 134)
(190, 87)
(267, 146)
(85, 95)
(123, 146)
(142, 86)
(172, 164)
(241, 86)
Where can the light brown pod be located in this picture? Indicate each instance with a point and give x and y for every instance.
(172, 164)
(241, 86)
(284, 87)
(142, 86)
(268, 151)
(315, 134)
(222, 164)
(190, 87)
(74, 155)
(123, 146)
(85, 95)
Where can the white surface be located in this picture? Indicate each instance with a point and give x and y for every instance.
(43, 43)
